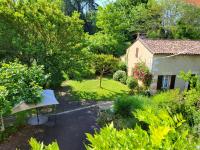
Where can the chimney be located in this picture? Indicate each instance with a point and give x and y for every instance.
(141, 35)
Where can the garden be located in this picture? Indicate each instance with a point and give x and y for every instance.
(168, 120)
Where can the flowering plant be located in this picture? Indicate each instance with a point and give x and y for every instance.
(142, 73)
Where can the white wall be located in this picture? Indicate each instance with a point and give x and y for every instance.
(143, 55)
(163, 65)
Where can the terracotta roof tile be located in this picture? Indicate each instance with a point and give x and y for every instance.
(189, 47)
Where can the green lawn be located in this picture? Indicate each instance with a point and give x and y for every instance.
(90, 90)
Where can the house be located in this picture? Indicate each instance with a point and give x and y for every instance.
(165, 59)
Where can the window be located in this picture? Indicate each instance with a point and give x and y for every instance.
(136, 53)
(166, 82)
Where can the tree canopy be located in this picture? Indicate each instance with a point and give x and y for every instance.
(39, 31)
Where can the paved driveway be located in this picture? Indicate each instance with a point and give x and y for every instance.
(74, 119)
(69, 130)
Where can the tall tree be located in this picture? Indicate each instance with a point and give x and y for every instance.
(87, 10)
(39, 31)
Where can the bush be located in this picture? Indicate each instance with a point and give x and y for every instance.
(141, 72)
(170, 99)
(125, 105)
(164, 132)
(131, 83)
(35, 145)
(122, 66)
(120, 76)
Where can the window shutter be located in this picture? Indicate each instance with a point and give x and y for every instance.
(172, 84)
(159, 82)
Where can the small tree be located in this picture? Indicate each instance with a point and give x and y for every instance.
(104, 64)
(4, 105)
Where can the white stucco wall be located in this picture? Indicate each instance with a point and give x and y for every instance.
(143, 55)
(163, 65)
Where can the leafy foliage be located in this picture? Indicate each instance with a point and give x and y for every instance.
(39, 31)
(142, 73)
(120, 76)
(163, 133)
(123, 19)
(22, 83)
(103, 43)
(4, 105)
(87, 10)
(131, 83)
(35, 145)
(105, 64)
(122, 66)
(124, 106)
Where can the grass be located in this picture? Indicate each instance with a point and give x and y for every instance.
(90, 90)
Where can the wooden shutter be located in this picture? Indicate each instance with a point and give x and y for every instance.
(172, 83)
(159, 82)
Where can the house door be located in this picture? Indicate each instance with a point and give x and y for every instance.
(166, 82)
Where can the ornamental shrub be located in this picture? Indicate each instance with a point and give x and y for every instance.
(120, 76)
(131, 83)
(142, 73)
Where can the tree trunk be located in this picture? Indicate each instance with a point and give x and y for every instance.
(2, 124)
(100, 80)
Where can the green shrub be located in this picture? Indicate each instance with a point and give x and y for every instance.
(35, 145)
(120, 76)
(164, 132)
(170, 99)
(122, 66)
(131, 83)
(125, 105)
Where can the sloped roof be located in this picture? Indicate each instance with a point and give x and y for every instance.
(186, 47)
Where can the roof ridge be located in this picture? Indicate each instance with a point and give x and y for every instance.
(146, 45)
(168, 46)
(196, 40)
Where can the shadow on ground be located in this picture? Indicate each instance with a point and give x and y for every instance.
(91, 96)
